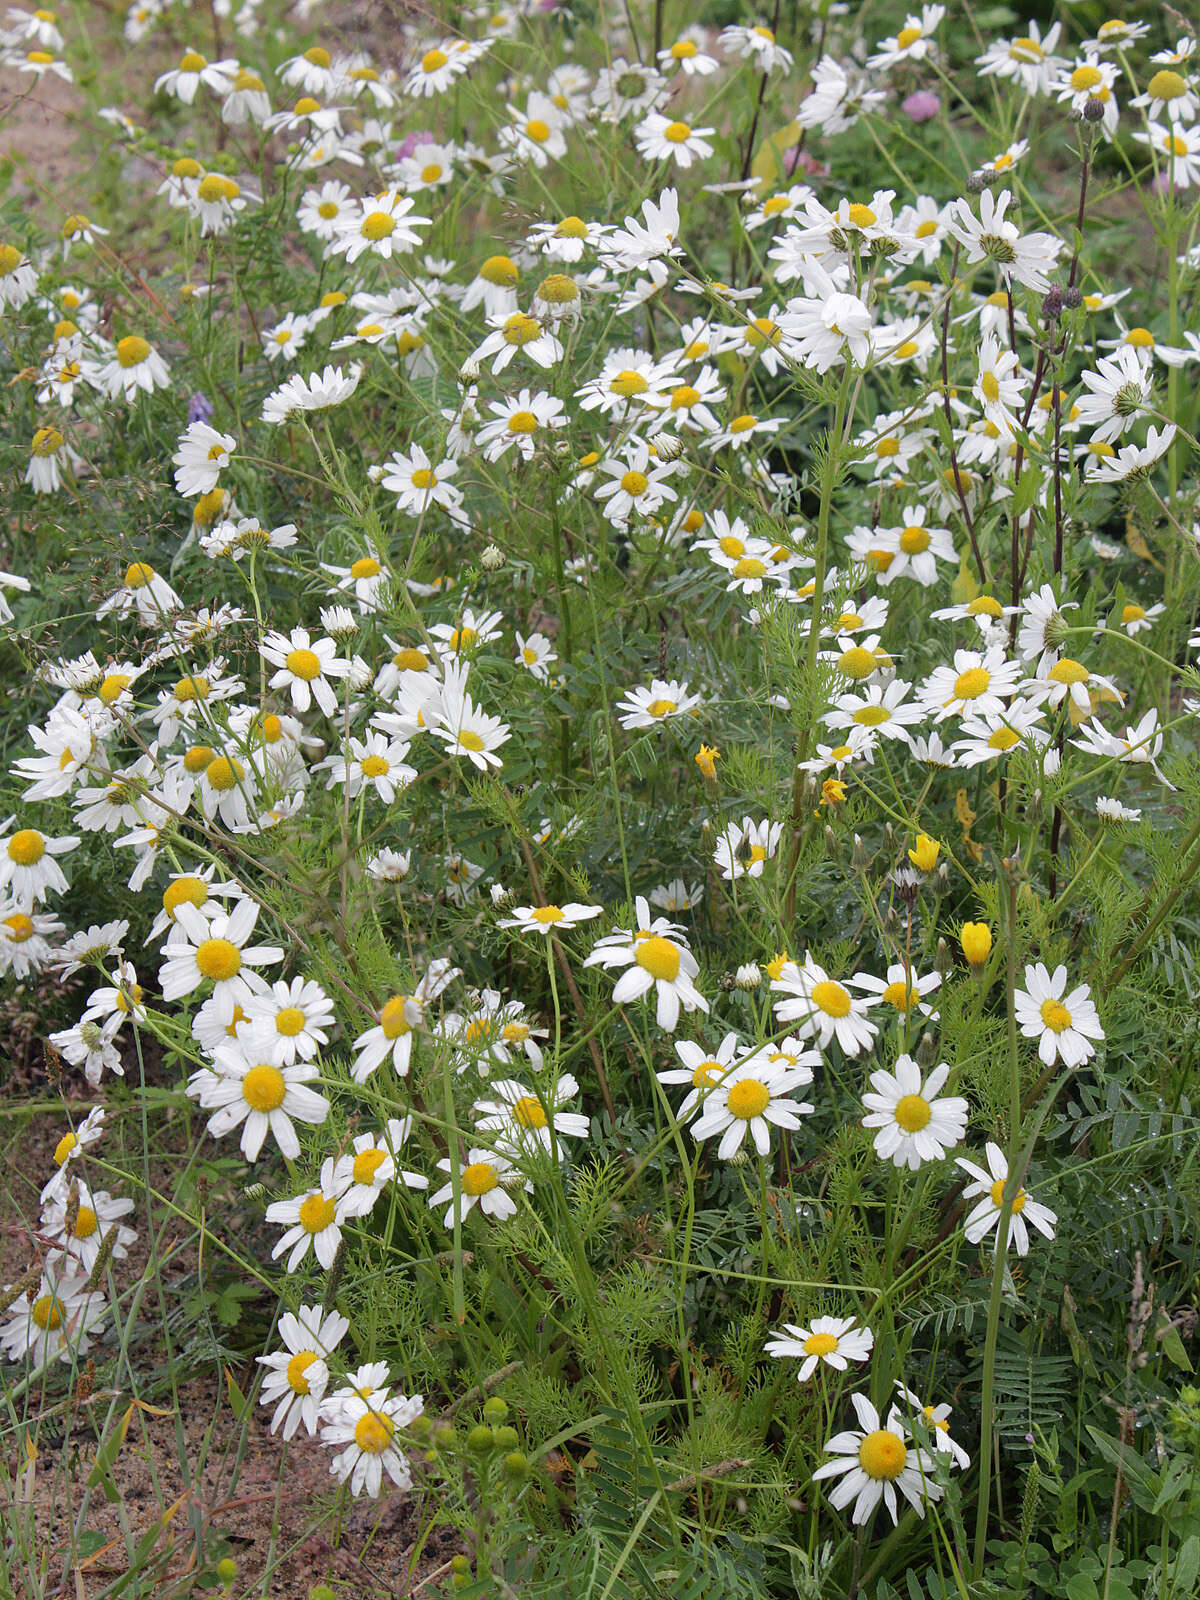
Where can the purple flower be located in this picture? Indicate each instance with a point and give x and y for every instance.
(200, 408)
(418, 136)
(921, 105)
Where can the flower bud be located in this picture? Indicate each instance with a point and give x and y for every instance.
(1093, 109)
(747, 976)
(1072, 297)
(505, 1438)
(226, 1570)
(516, 1466)
(492, 558)
(1052, 304)
(469, 371)
(860, 858)
(976, 938)
(666, 446)
(480, 1440)
(926, 1052)
(924, 853)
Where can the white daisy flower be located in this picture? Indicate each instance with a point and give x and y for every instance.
(298, 1375)
(703, 1070)
(58, 1324)
(246, 1089)
(914, 1125)
(874, 1461)
(824, 1008)
(292, 1019)
(936, 1421)
(836, 1341)
(743, 850)
(28, 868)
(987, 1213)
(524, 1120)
(549, 919)
(399, 1017)
(656, 960)
(314, 1221)
(1064, 1024)
(753, 1097)
(646, 707)
(307, 668)
(483, 1181)
(215, 950)
(363, 1432)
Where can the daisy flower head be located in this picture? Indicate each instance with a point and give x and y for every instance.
(313, 1221)
(977, 683)
(988, 1191)
(295, 1018)
(298, 1375)
(549, 919)
(483, 1181)
(399, 1017)
(744, 849)
(756, 43)
(824, 1009)
(364, 1433)
(29, 871)
(936, 1421)
(381, 225)
(307, 668)
(662, 138)
(1063, 1024)
(646, 707)
(902, 988)
(917, 548)
(55, 1324)
(1029, 59)
(317, 392)
(635, 485)
(523, 1120)
(246, 1089)
(521, 420)
(702, 1070)
(216, 950)
(836, 1341)
(875, 1460)
(656, 958)
(96, 1217)
(134, 367)
(1019, 258)
(362, 1174)
(913, 42)
(753, 1097)
(914, 1124)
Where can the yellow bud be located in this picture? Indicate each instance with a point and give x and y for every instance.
(924, 854)
(706, 759)
(976, 942)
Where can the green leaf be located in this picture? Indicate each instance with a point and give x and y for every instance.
(1187, 1567)
(1167, 1335)
(1081, 1587)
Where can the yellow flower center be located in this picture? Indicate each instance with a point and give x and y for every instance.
(683, 50)
(392, 1018)
(26, 847)
(547, 914)
(20, 927)
(528, 1112)
(1056, 1016)
(113, 687)
(677, 132)
(132, 351)
(969, 685)
(224, 773)
(988, 383)
(743, 424)
(373, 1433)
(707, 1074)
(857, 662)
(521, 329)
(635, 483)
(913, 540)
(46, 1312)
(657, 956)
(375, 766)
(316, 1212)
(433, 60)
(522, 422)
(215, 187)
(912, 1112)
(86, 1223)
(1026, 49)
(1085, 77)
(470, 740)
(365, 567)
(1068, 671)
(748, 1099)
(820, 1344)
(997, 1196)
(289, 1022)
(479, 1178)
(192, 62)
(861, 216)
(193, 890)
(1133, 613)
(882, 1455)
(297, 1367)
(537, 130)
(1166, 86)
(304, 664)
(872, 716)
(196, 687)
(377, 225)
(63, 1148)
(749, 567)
(661, 708)
(907, 37)
(366, 1164)
(218, 959)
(899, 995)
(831, 998)
(1140, 338)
